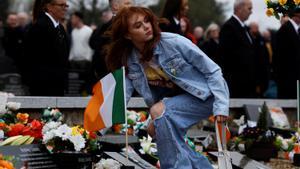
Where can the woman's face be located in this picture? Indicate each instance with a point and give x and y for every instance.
(139, 29)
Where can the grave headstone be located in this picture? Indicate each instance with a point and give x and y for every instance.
(33, 156)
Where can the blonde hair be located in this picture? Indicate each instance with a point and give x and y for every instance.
(211, 27)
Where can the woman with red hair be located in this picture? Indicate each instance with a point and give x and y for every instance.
(161, 65)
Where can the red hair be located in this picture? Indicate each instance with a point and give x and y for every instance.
(120, 48)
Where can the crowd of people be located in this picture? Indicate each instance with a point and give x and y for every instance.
(255, 64)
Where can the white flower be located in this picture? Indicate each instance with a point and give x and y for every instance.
(13, 106)
(147, 146)
(50, 126)
(132, 115)
(1, 134)
(64, 132)
(285, 144)
(274, 1)
(48, 136)
(108, 164)
(78, 141)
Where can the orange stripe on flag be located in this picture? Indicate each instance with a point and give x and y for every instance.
(92, 119)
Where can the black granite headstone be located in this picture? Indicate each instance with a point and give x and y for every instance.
(241, 161)
(33, 156)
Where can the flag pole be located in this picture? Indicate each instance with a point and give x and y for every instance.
(298, 105)
(125, 110)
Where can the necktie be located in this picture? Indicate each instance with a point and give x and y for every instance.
(247, 33)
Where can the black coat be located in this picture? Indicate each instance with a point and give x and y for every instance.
(47, 51)
(286, 60)
(238, 59)
(97, 42)
(172, 26)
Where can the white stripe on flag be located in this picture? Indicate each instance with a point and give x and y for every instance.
(108, 84)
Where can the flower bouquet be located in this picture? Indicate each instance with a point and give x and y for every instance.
(19, 130)
(71, 146)
(281, 7)
(136, 123)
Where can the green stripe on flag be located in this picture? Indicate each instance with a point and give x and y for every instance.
(118, 113)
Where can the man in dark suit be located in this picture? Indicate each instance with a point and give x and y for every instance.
(98, 40)
(286, 57)
(236, 50)
(47, 49)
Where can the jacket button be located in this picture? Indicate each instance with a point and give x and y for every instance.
(198, 93)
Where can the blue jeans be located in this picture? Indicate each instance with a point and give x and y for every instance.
(181, 112)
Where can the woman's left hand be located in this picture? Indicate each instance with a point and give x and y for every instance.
(221, 119)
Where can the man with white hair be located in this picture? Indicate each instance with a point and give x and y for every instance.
(237, 52)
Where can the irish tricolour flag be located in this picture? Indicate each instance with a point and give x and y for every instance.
(107, 105)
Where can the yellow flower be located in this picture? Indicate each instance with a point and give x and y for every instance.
(270, 12)
(23, 117)
(297, 2)
(76, 131)
(267, 1)
(282, 2)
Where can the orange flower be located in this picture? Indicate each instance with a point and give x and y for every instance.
(270, 12)
(2, 125)
(297, 2)
(6, 164)
(23, 117)
(282, 2)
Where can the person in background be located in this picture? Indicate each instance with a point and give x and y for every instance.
(160, 65)
(172, 12)
(237, 52)
(199, 35)
(286, 59)
(23, 20)
(185, 25)
(80, 52)
(13, 41)
(211, 44)
(47, 49)
(262, 60)
(98, 40)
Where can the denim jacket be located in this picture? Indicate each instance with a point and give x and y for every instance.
(186, 66)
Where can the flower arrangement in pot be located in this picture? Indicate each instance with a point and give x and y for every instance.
(257, 142)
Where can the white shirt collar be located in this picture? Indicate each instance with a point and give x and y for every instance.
(296, 27)
(55, 23)
(176, 20)
(238, 19)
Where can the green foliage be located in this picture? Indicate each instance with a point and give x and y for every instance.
(262, 121)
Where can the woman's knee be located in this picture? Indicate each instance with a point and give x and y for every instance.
(157, 110)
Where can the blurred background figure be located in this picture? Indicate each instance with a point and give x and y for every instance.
(211, 44)
(174, 10)
(287, 56)
(238, 55)
(13, 41)
(23, 20)
(47, 49)
(186, 28)
(80, 52)
(263, 66)
(98, 40)
(199, 35)
(106, 16)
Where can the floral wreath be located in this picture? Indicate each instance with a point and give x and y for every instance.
(281, 7)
